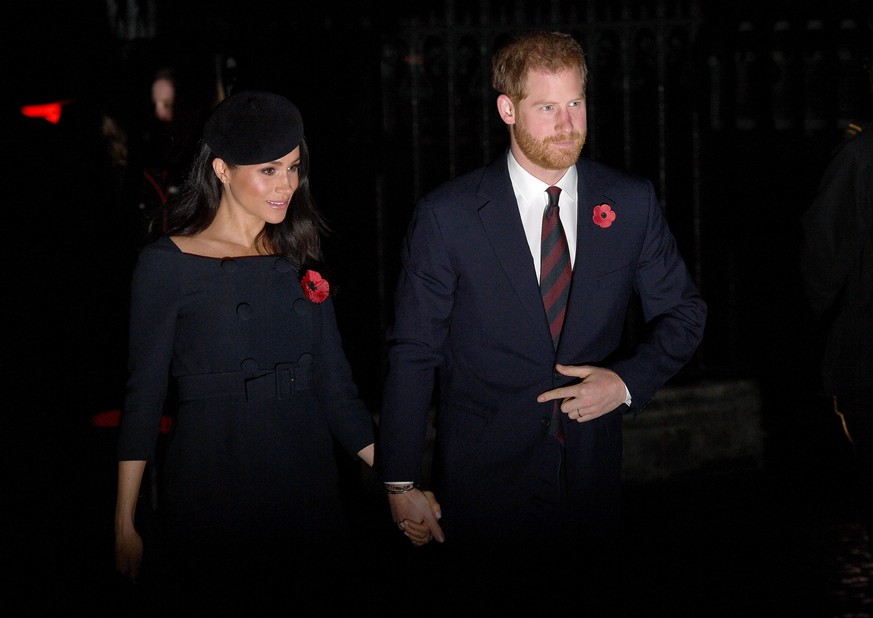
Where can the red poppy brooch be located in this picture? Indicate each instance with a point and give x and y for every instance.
(315, 288)
(604, 215)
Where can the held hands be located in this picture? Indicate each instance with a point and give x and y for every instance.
(416, 513)
(597, 392)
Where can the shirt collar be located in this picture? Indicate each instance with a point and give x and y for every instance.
(531, 189)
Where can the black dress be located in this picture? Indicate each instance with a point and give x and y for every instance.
(249, 479)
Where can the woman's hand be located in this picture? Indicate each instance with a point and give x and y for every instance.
(417, 518)
(128, 553)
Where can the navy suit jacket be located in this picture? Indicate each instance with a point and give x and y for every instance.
(470, 329)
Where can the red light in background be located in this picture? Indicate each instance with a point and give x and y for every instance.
(48, 111)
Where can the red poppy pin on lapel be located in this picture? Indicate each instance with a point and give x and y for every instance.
(604, 215)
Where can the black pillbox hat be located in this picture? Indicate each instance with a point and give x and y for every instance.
(253, 126)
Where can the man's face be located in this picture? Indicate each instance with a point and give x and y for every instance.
(551, 122)
(163, 95)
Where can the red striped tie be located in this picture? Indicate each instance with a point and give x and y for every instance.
(555, 271)
(555, 274)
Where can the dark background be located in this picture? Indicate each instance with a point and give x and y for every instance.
(68, 257)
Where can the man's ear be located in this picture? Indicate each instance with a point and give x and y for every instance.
(506, 109)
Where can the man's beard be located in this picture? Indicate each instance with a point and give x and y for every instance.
(539, 152)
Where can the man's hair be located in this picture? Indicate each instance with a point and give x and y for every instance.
(537, 50)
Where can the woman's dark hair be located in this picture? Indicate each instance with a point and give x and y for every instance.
(297, 237)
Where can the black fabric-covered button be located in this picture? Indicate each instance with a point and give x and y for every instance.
(249, 364)
(244, 311)
(282, 265)
(229, 265)
(545, 422)
(301, 306)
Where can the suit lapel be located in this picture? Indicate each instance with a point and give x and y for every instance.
(590, 245)
(502, 224)
(590, 193)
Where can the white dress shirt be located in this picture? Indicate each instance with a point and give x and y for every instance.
(530, 193)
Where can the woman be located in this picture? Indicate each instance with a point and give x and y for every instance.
(230, 315)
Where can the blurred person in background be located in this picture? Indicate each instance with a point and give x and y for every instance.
(836, 264)
(178, 104)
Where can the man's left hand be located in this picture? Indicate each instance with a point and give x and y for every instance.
(597, 392)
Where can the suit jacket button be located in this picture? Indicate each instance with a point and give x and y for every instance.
(545, 422)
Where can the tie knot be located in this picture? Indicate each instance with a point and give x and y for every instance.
(554, 194)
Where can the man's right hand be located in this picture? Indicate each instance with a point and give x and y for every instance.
(416, 513)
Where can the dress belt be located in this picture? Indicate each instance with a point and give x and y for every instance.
(279, 383)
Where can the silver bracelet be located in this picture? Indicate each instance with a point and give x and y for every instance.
(399, 488)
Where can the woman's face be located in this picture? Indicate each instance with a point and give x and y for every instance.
(262, 191)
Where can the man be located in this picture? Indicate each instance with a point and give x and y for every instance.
(836, 266)
(527, 453)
